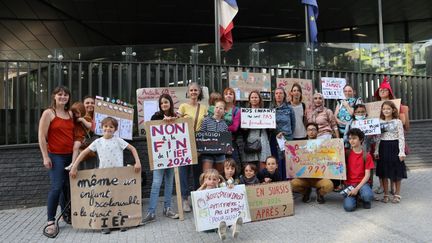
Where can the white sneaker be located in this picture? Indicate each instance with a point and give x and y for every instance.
(236, 227)
(222, 230)
(186, 206)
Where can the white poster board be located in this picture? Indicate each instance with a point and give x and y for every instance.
(210, 207)
(368, 126)
(332, 88)
(123, 114)
(258, 118)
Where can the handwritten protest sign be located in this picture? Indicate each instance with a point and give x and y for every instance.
(305, 84)
(368, 126)
(170, 144)
(214, 142)
(148, 101)
(106, 198)
(245, 82)
(123, 114)
(373, 109)
(210, 207)
(271, 200)
(315, 158)
(258, 118)
(332, 88)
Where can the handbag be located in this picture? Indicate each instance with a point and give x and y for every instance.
(88, 138)
(253, 147)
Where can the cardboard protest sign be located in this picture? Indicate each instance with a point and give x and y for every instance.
(245, 82)
(305, 84)
(373, 109)
(106, 198)
(210, 207)
(368, 126)
(171, 144)
(123, 114)
(148, 101)
(332, 88)
(315, 158)
(270, 200)
(258, 118)
(214, 142)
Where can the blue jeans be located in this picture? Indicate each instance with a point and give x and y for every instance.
(158, 176)
(366, 195)
(59, 178)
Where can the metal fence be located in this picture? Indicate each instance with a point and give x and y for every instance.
(25, 90)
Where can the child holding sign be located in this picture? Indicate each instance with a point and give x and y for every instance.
(210, 179)
(109, 150)
(249, 175)
(230, 169)
(270, 172)
(390, 151)
(166, 113)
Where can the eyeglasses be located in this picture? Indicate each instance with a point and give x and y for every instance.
(312, 130)
(383, 90)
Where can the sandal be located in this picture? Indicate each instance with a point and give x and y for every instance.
(385, 199)
(50, 230)
(396, 199)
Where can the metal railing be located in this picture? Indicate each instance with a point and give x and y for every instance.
(25, 90)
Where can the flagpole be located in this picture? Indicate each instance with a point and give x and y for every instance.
(306, 25)
(217, 33)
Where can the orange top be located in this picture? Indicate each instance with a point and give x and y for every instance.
(80, 130)
(60, 136)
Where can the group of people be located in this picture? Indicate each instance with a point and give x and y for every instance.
(256, 156)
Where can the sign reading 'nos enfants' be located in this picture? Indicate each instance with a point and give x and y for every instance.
(258, 118)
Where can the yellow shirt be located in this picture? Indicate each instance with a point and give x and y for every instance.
(187, 110)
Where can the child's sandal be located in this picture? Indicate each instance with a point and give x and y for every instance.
(385, 199)
(396, 199)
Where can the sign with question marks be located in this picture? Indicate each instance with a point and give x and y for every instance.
(315, 158)
(271, 200)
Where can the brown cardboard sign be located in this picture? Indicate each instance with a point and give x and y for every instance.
(271, 200)
(373, 109)
(106, 198)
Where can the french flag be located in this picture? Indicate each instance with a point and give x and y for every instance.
(227, 11)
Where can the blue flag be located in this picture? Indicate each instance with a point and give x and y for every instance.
(312, 9)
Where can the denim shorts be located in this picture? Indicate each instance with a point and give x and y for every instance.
(215, 158)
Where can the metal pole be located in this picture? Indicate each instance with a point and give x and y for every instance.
(307, 25)
(217, 33)
(380, 23)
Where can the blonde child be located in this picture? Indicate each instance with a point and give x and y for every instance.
(249, 175)
(390, 151)
(110, 152)
(211, 179)
(82, 125)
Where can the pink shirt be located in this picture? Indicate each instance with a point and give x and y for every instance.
(326, 121)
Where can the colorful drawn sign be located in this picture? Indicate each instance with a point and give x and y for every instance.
(270, 200)
(258, 118)
(368, 126)
(106, 198)
(148, 99)
(315, 158)
(214, 142)
(305, 84)
(332, 88)
(170, 144)
(373, 109)
(245, 82)
(210, 207)
(123, 114)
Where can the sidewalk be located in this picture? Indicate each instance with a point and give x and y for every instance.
(408, 221)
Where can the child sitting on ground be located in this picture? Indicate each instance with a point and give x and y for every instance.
(210, 179)
(359, 164)
(270, 173)
(110, 152)
(230, 169)
(249, 175)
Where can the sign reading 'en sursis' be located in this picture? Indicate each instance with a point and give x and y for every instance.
(210, 207)
(106, 198)
(315, 158)
(332, 88)
(270, 200)
(368, 126)
(214, 142)
(258, 118)
(170, 144)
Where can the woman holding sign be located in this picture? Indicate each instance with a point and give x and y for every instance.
(253, 135)
(324, 117)
(166, 113)
(56, 140)
(196, 111)
(230, 100)
(345, 108)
